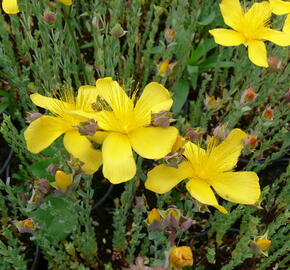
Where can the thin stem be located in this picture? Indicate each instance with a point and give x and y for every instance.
(67, 17)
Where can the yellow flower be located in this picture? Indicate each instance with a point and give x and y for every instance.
(44, 130)
(251, 27)
(153, 215)
(210, 168)
(62, 180)
(11, 6)
(128, 126)
(263, 244)
(181, 257)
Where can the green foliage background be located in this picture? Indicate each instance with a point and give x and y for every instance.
(79, 47)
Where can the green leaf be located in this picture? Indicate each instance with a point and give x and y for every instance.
(3, 107)
(207, 20)
(56, 217)
(39, 169)
(181, 90)
(193, 74)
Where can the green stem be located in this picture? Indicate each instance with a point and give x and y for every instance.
(67, 17)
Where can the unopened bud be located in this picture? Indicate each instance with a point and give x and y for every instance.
(162, 119)
(32, 115)
(212, 103)
(251, 141)
(268, 114)
(98, 22)
(118, 31)
(87, 128)
(274, 63)
(49, 16)
(181, 257)
(194, 134)
(169, 35)
(221, 132)
(263, 244)
(248, 96)
(62, 180)
(25, 226)
(153, 215)
(42, 185)
(76, 165)
(165, 68)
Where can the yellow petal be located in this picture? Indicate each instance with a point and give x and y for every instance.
(201, 191)
(155, 98)
(116, 97)
(232, 13)
(163, 178)
(42, 132)
(238, 187)
(280, 7)
(277, 37)
(66, 2)
(87, 95)
(225, 156)
(10, 6)
(258, 15)
(196, 155)
(153, 142)
(286, 27)
(227, 37)
(100, 136)
(63, 180)
(80, 147)
(257, 53)
(52, 104)
(118, 161)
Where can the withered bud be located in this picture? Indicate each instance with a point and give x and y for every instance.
(42, 185)
(248, 96)
(31, 116)
(162, 119)
(175, 159)
(274, 63)
(87, 128)
(187, 224)
(194, 134)
(53, 168)
(221, 132)
(49, 16)
(268, 114)
(169, 35)
(287, 95)
(98, 22)
(128, 4)
(170, 222)
(76, 165)
(251, 141)
(118, 31)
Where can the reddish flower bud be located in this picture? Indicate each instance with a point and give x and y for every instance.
(248, 96)
(268, 114)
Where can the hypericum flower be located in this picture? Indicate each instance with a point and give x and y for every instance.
(11, 6)
(261, 244)
(251, 27)
(45, 129)
(210, 168)
(180, 257)
(62, 180)
(129, 126)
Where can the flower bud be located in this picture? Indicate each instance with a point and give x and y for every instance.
(212, 103)
(248, 96)
(162, 119)
(268, 114)
(118, 31)
(98, 22)
(153, 215)
(263, 244)
(221, 132)
(49, 17)
(251, 141)
(31, 116)
(169, 35)
(181, 257)
(287, 95)
(165, 68)
(62, 180)
(25, 226)
(87, 128)
(274, 63)
(194, 134)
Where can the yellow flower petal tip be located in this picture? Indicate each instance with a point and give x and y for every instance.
(10, 6)
(66, 2)
(153, 215)
(180, 257)
(62, 180)
(250, 27)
